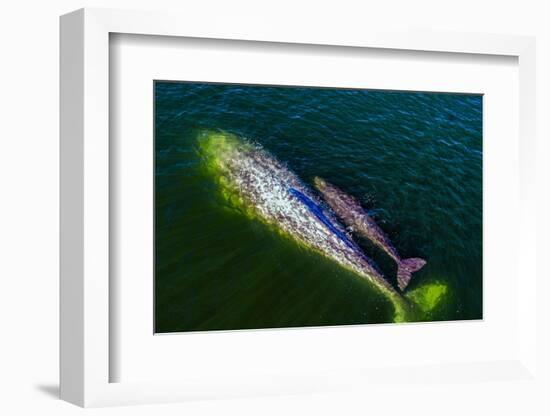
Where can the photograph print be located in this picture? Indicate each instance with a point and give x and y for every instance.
(292, 206)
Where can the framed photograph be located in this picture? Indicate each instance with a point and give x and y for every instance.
(275, 212)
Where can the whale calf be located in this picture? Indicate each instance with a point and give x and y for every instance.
(265, 188)
(349, 210)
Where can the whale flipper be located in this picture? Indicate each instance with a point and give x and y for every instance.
(406, 268)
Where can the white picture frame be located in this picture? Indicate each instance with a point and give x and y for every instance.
(85, 221)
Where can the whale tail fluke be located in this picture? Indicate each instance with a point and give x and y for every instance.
(406, 268)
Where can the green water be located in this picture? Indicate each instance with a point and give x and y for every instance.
(413, 159)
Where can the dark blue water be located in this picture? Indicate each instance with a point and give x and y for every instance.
(413, 159)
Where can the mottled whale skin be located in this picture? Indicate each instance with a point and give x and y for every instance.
(350, 211)
(264, 187)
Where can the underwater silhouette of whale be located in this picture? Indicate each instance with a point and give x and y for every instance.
(350, 211)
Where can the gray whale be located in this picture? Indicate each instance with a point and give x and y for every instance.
(266, 189)
(356, 218)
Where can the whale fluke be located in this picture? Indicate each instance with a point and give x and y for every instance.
(406, 268)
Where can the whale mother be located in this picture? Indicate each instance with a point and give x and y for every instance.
(256, 181)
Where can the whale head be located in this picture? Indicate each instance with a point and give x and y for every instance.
(323, 186)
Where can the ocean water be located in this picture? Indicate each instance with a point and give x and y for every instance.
(413, 159)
